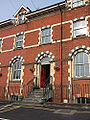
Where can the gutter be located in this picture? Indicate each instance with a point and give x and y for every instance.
(46, 9)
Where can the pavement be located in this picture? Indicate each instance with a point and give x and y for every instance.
(49, 105)
(46, 111)
(15, 111)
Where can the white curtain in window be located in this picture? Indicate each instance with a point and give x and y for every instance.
(79, 28)
(76, 3)
(82, 65)
(46, 35)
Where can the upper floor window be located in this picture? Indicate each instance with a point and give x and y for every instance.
(82, 65)
(46, 35)
(21, 18)
(19, 41)
(16, 70)
(0, 43)
(76, 3)
(79, 28)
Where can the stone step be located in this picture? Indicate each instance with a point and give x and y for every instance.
(36, 94)
(32, 101)
(34, 97)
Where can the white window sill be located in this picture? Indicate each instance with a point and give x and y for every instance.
(15, 80)
(82, 78)
(17, 48)
(45, 43)
(77, 6)
(79, 36)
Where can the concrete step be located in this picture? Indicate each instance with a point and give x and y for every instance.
(34, 97)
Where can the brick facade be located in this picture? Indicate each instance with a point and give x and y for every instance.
(59, 50)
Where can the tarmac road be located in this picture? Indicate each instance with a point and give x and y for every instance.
(16, 112)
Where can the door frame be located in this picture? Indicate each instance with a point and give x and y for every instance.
(40, 74)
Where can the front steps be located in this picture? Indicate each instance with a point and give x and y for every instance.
(35, 97)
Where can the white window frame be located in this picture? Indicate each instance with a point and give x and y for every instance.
(17, 41)
(77, 2)
(46, 35)
(80, 30)
(82, 64)
(16, 71)
(21, 18)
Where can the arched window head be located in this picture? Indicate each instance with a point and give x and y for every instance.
(82, 65)
(16, 70)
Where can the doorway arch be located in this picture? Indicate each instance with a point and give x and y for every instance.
(44, 68)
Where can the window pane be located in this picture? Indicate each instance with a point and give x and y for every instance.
(81, 70)
(19, 44)
(43, 40)
(18, 65)
(21, 18)
(17, 70)
(19, 73)
(81, 64)
(46, 35)
(79, 58)
(43, 32)
(86, 70)
(14, 66)
(19, 40)
(86, 58)
(77, 71)
(77, 3)
(14, 73)
(79, 28)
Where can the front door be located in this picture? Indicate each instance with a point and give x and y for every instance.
(45, 75)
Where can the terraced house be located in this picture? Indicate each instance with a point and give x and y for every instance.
(47, 52)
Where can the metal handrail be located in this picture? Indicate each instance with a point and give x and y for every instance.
(26, 89)
(47, 88)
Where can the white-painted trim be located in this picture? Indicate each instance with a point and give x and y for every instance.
(39, 29)
(68, 39)
(7, 50)
(70, 21)
(31, 46)
(32, 30)
(56, 24)
(44, 10)
(6, 22)
(20, 9)
(9, 36)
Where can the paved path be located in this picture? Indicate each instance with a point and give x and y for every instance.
(17, 112)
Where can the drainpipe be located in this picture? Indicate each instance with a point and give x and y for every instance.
(61, 33)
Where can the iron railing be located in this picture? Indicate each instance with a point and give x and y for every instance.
(14, 91)
(75, 93)
(47, 89)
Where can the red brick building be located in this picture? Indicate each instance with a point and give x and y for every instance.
(50, 46)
